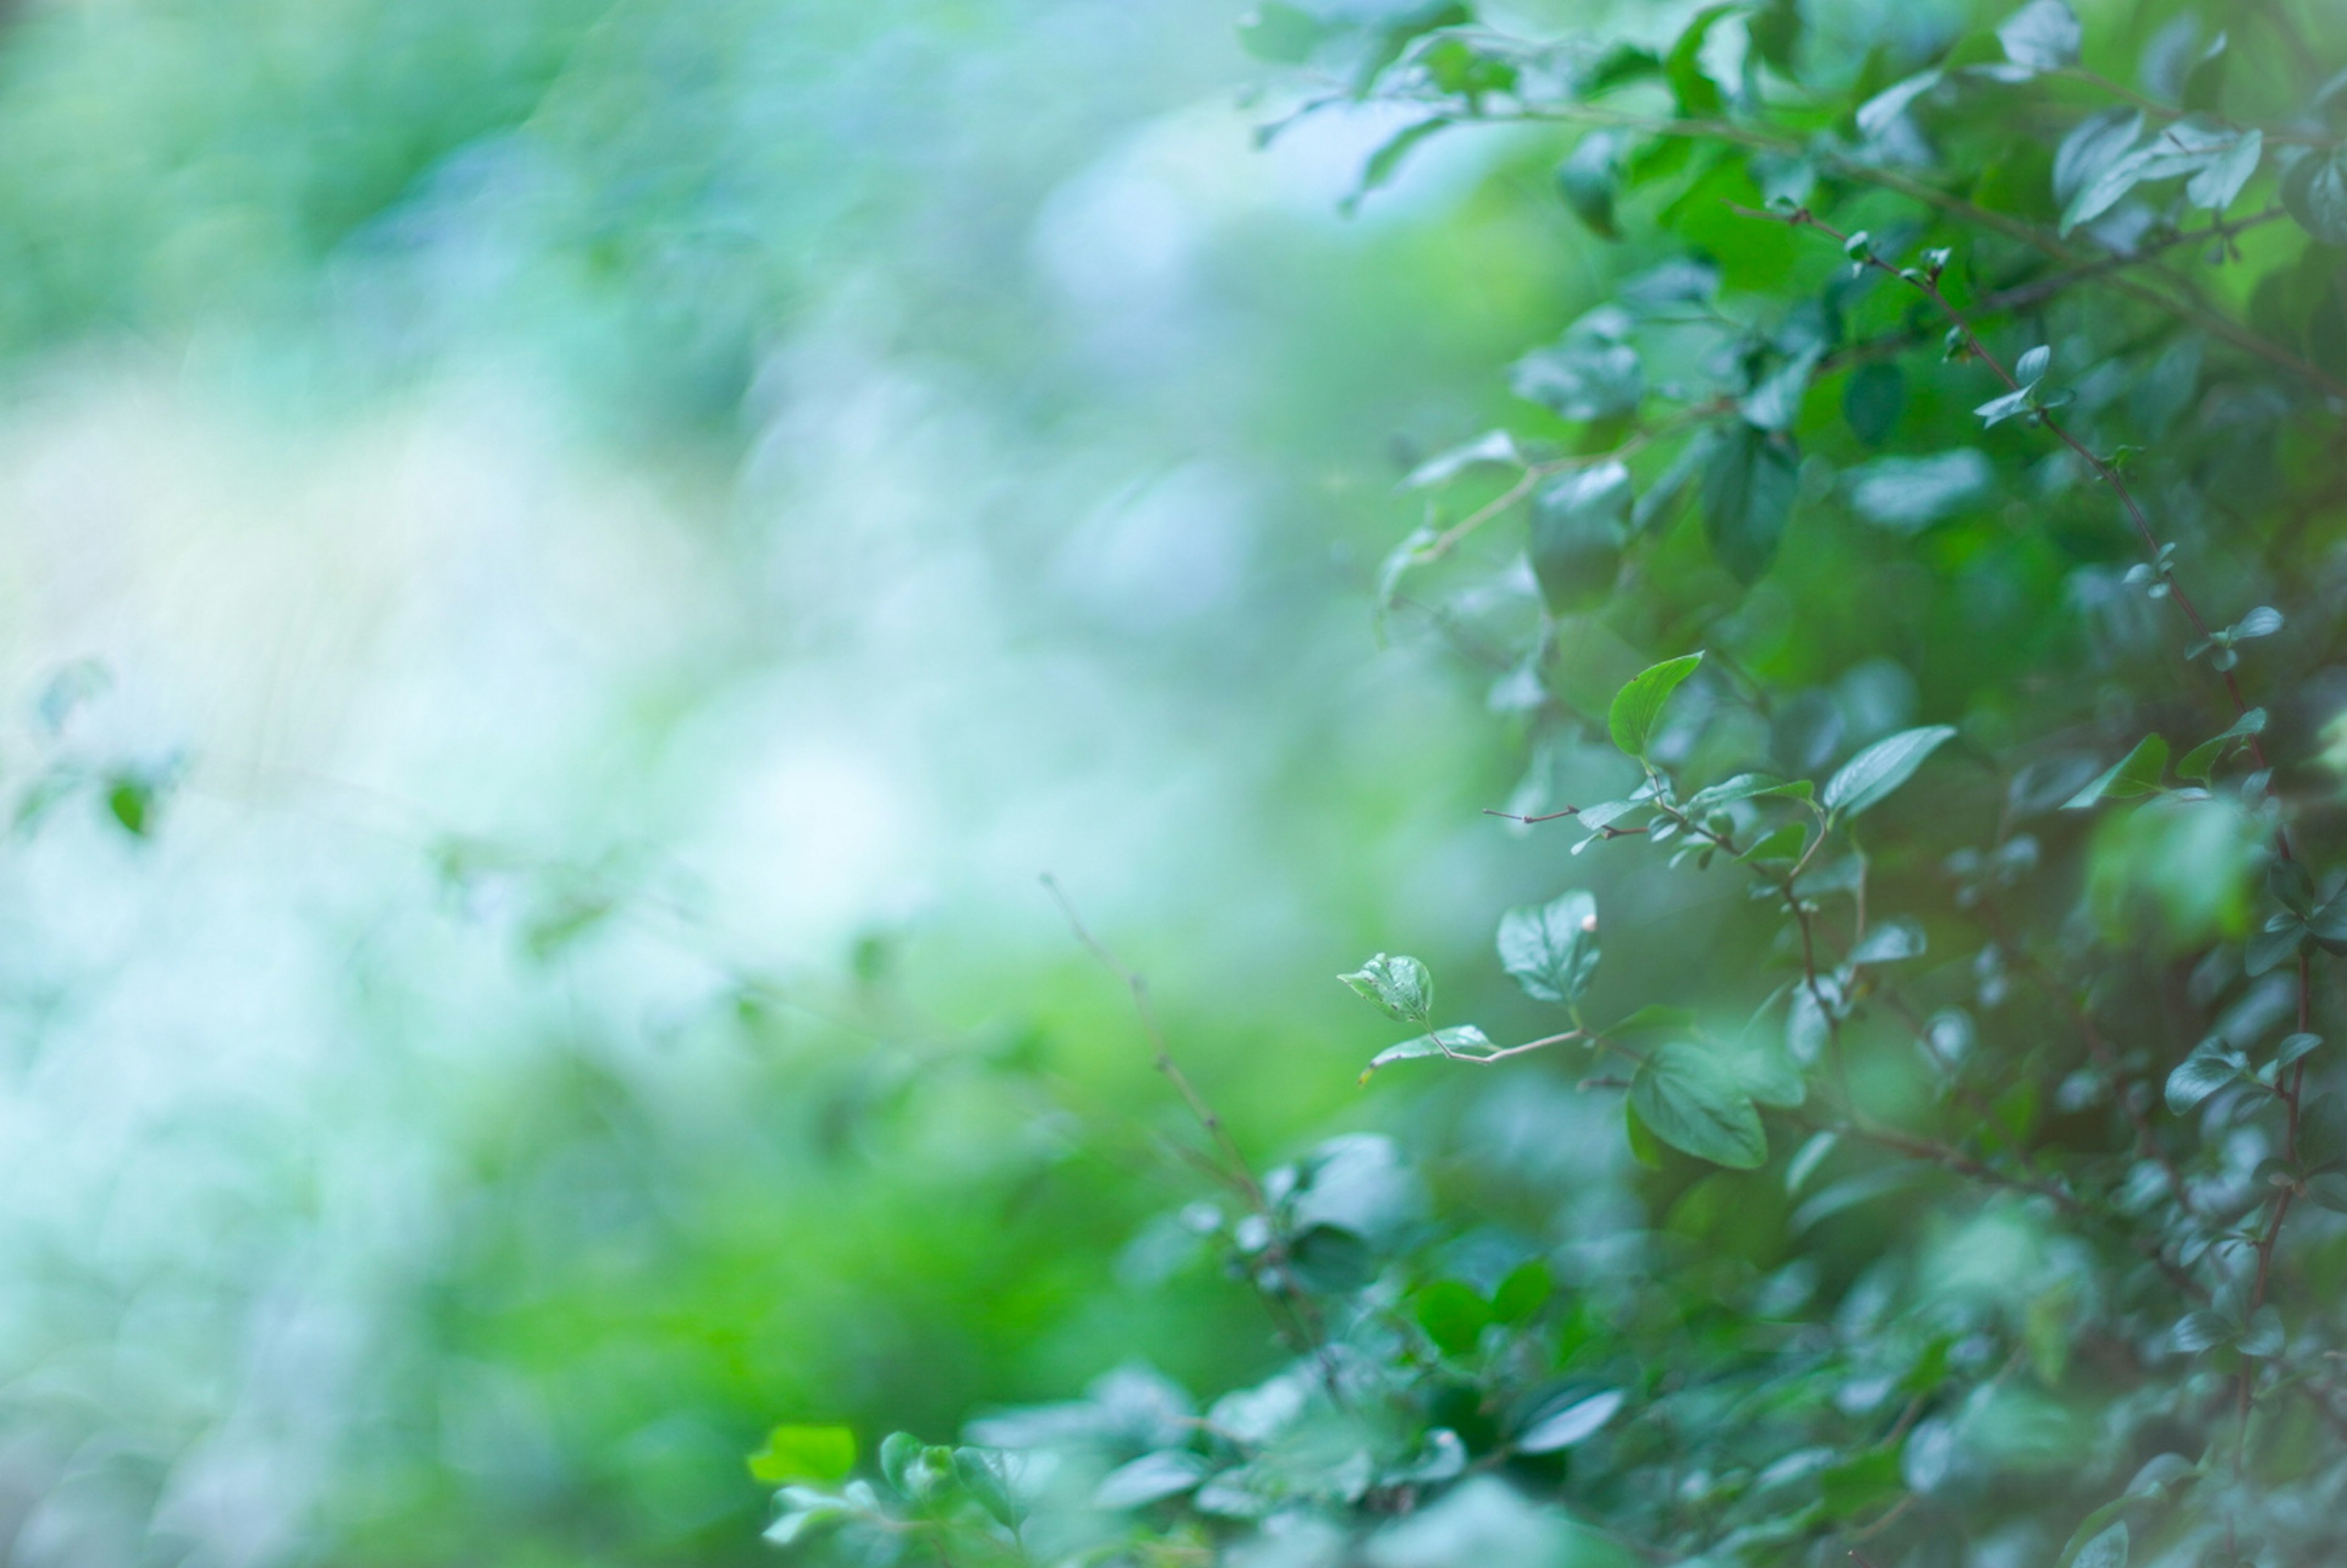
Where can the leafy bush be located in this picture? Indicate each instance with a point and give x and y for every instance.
(1921, 578)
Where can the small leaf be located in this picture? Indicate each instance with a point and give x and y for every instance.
(1590, 178)
(2108, 1550)
(2264, 1337)
(2216, 186)
(1876, 114)
(1907, 495)
(2201, 760)
(2093, 145)
(823, 1454)
(1638, 705)
(1746, 786)
(2262, 621)
(1386, 160)
(986, 1474)
(2132, 777)
(1864, 780)
(1453, 1317)
(2203, 1330)
(1551, 949)
(2295, 1046)
(1691, 1100)
(1152, 1477)
(1749, 481)
(1873, 402)
(1523, 1293)
(2043, 35)
(1697, 93)
(2031, 367)
(1400, 985)
(2329, 1190)
(1576, 1422)
(1331, 1260)
(2212, 1065)
(1590, 372)
(2315, 192)
(1889, 942)
(2281, 940)
(1805, 1162)
(1491, 446)
(1463, 1042)
(1580, 522)
(2011, 406)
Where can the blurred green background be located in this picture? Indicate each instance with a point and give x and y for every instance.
(633, 534)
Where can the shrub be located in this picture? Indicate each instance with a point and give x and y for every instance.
(1917, 565)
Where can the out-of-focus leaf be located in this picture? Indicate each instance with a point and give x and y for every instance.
(1907, 495)
(1575, 1421)
(2132, 777)
(792, 1453)
(1873, 400)
(1691, 1100)
(1580, 523)
(2043, 35)
(1749, 480)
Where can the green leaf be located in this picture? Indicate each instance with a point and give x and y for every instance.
(2329, 1190)
(1331, 1260)
(1590, 372)
(1580, 522)
(1523, 1293)
(1697, 94)
(2132, 777)
(2043, 35)
(1750, 481)
(1873, 402)
(1639, 703)
(2202, 761)
(1463, 1040)
(2315, 192)
(1575, 1421)
(1453, 1317)
(986, 1474)
(1888, 942)
(2277, 943)
(1386, 161)
(2295, 1046)
(2093, 146)
(2203, 1330)
(823, 1454)
(1908, 495)
(1283, 34)
(1590, 178)
(2108, 1550)
(1551, 949)
(2212, 1065)
(1877, 114)
(1619, 65)
(131, 802)
(1152, 1477)
(1496, 446)
(1692, 1101)
(1747, 786)
(1400, 985)
(2264, 1335)
(2216, 186)
(1864, 780)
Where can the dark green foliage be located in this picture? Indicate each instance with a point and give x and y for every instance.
(1975, 1181)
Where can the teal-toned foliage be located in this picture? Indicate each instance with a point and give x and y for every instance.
(1961, 1185)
